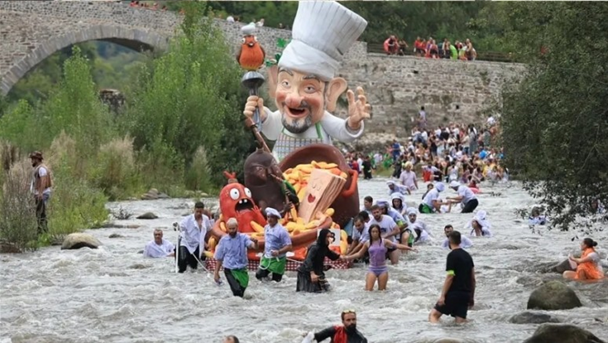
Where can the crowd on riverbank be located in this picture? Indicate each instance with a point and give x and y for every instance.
(428, 48)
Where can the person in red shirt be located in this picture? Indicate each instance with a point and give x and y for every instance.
(345, 333)
(354, 165)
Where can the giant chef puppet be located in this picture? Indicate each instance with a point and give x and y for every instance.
(304, 84)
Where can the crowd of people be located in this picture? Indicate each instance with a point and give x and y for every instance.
(429, 48)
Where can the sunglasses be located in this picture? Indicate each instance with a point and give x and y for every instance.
(347, 311)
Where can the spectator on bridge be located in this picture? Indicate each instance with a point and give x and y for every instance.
(391, 45)
(445, 52)
(470, 52)
(419, 47)
(230, 19)
(260, 23)
(403, 46)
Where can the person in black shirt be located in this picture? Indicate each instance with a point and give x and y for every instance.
(458, 290)
(367, 168)
(347, 333)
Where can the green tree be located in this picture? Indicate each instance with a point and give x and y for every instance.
(191, 97)
(555, 121)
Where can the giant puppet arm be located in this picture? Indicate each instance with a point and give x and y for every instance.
(336, 127)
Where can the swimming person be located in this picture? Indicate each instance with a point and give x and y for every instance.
(347, 333)
(311, 276)
(465, 241)
(459, 286)
(377, 248)
(588, 267)
(479, 225)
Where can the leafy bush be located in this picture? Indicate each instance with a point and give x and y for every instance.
(115, 171)
(198, 174)
(18, 224)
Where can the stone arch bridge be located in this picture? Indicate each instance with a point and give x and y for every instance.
(31, 31)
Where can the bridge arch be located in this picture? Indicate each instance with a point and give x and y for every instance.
(133, 38)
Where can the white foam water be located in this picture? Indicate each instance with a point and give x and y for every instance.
(113, 294)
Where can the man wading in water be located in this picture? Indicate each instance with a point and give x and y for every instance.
(41, 188)
(347, 333)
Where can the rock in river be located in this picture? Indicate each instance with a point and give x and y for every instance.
(75, 241)
(553, 295)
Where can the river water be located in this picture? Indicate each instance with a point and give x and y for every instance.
(113, 294)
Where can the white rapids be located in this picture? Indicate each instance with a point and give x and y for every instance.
(113, 294)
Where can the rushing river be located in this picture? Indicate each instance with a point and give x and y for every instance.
(113, 294)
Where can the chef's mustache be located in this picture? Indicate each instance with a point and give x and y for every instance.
(303, 105)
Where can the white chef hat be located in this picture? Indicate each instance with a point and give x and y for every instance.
(272, 212)
(322, 33)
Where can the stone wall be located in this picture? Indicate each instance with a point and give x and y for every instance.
(451, 91)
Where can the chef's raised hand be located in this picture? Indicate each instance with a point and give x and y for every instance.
(359, 109)
(250, 107)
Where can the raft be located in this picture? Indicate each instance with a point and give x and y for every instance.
(291, 265)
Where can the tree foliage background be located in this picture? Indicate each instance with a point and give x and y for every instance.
(555, 121)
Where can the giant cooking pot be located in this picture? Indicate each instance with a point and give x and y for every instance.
(346, 205)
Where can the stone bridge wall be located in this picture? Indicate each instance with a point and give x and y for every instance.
(397, 87)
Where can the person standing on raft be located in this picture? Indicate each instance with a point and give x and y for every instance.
(587, 268)
(311, 276)
(232, 254)
(305, 85)
(347, 333)
(277, 243)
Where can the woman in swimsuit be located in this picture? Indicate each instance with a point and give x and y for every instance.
(377, 250)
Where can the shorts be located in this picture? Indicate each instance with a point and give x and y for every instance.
(377, 271)
(455, 304)
(389, 250)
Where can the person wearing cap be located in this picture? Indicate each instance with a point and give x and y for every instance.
(277, 243)
(311, 273)
(466, 197)
(305, 86)
(345, 333)
(431, 201)
(397, 203)
(41, 188)
(416, 230)
(479, 225)
(193, 230)
(232, 255)
(159, 247)
(394, 187)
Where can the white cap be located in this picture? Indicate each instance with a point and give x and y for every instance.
(454, 184)
(411, 211)
(272, 212)
(322, 33)
(248, 30)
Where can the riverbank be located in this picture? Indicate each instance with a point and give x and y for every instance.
(113, 294)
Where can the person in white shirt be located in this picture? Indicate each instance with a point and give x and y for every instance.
(465, 241)
(417, 231)
(432, 202)
(490, 121)
(159, 247)
(479, 225)
(193, 229)
(466, 197)
(260, 23)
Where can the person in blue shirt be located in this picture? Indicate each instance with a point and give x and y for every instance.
(232, 254)
(277, 243)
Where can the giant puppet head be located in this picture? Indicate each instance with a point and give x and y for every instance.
(304, 83)
(236, 201)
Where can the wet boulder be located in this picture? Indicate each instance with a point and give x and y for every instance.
(533, 318)
(148, 216)
(562, 267)
(152, 194)
(562, 333)
(75, 241)
(553, 295)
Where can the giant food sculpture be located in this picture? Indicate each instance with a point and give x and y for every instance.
(304, 168)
